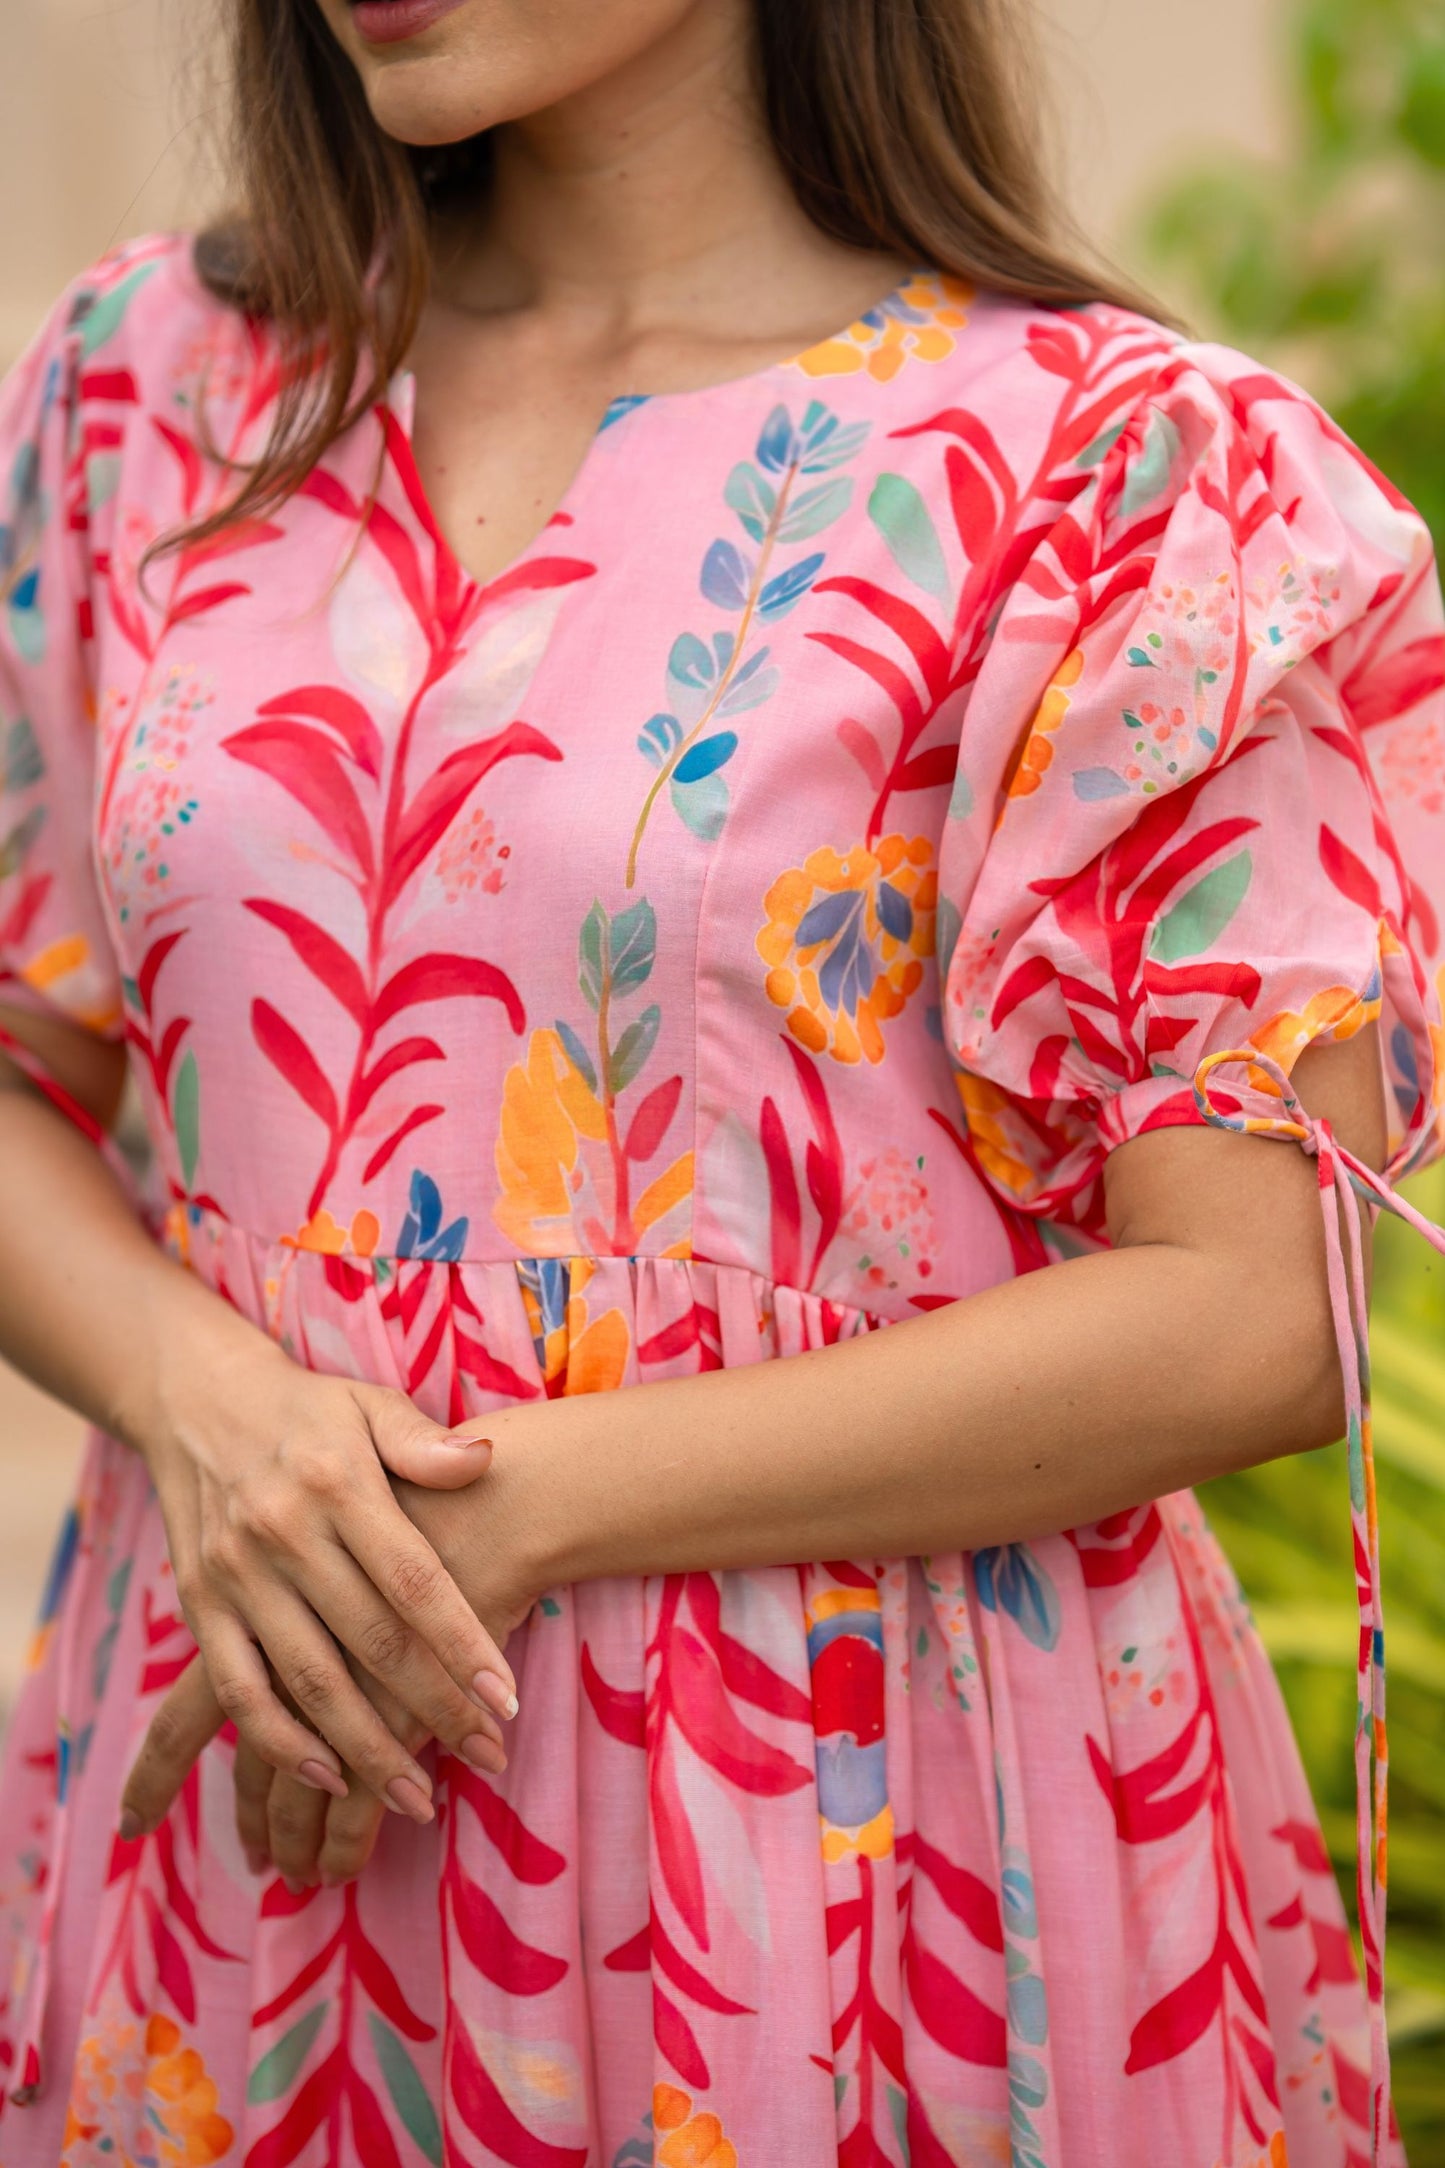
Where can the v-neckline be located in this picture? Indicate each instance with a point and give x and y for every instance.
(400, 401)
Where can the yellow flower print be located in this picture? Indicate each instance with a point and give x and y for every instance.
(1035, 749)
(164, 2081)
(326, 1235)
(916, 323)
(845, 942)
(692, 2141)
(1339, 1010)
(548, 1108)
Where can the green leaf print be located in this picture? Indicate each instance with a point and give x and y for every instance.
(1201, 915)
(634, 945)
(103, 319)
(277, 2070)
(815, 509)
(898, 511)
(753, 499)
(186, 1115)
(592, 955)
(1150, 473)
(408, 2095)
(632, 1049)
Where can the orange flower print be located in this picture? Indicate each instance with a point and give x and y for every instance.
(845, 942)
(917, 323)
(1035, 749)
(321, 1232)
(156, 2087)
(1338, 1010)
(692, 2141)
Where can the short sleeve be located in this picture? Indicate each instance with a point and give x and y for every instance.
(55, 949)
(1201, 796)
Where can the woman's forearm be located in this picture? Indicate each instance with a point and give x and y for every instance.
(91, 1309)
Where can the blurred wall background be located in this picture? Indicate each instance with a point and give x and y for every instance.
(1276, 171)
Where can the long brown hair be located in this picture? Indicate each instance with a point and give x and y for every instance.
(906, 125)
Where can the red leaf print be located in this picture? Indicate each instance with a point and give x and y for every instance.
(288, 1052)
(334, 494)
(189, 458)
(677, 1853)
(375, 2146)
(206, 598)
(392, 1062)
(1351, 876)
(243, 534)
(442, 977)
(295, 1988)
(342, 710)
(1179, 2018)
(440, 799)
(743, 1671)
(926, 771)
(1020, 986)
(155, 956)
(966, 1895)
(692, 1982)
(1261, 2059)
(917, 633)
(649, 1124)
(322, 954)
(378, 1979)
(975, 513)
(488, 2117)
(618, 1710)
(172, 1966)
(860, 2149)
(1238, 981)
(284, 2141)
(787, 1210)
(633, 1955)
(677, 2042)
(497, 1951)
(1308, 1846)
(528, 1858)
(307, 765)
(710, 1724)
(951, 2013)
(865, 750)
(384, 1151)
(1379, 691)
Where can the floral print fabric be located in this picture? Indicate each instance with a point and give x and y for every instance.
(747, 921)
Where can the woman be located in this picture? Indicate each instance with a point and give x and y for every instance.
(626, 832)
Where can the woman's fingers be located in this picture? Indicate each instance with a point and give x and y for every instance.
(406, 1571)
(243, 1688)
(353, 1823)
(419, 1450)
(295, 1826)
(253, 1780)
(188, 1718)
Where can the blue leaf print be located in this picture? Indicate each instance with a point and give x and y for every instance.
(753, 499)
(1094, 783)
(634, 946)
(23, 763)
(725, 576)
(422, 1233)
(1028, 2009)
(658, 736)
(825, 918)
(577, 1054)
(776, 445)
(780, 594)
(690, 661)
(622, 404)
(749, 689)
(894, 911)
(701, 806)
(824, 443)
(815, 509)
(1009, 1578)
(709, 753)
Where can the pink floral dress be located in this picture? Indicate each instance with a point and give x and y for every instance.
(747, 921)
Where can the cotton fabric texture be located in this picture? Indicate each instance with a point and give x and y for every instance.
(749, 920)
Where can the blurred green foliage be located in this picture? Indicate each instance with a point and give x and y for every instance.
(1330, 264)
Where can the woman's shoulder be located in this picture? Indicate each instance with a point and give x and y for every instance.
(133, 326)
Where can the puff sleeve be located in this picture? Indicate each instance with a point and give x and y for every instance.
(55, 950)
(1201, 797)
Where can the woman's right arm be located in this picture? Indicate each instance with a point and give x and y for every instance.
(272, 1479)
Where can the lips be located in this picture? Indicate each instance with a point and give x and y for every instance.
(390, 22)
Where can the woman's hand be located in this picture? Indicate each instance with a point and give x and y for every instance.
(480, 1534)
(282, 1525)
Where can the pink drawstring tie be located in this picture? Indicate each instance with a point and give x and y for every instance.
(1343, 1180)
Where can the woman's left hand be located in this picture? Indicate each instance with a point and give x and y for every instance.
(307, 1835)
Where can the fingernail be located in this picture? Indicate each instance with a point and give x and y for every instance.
(461, 1437)
(322, 1779)
(258, 1862)
(483, 1753)
(494, 1694)
(297, 1889)
(409, 1798)
(331, 1879)
(131, 1825)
